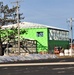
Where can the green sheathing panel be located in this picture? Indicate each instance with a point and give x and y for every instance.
(63, 44)
(42, 42)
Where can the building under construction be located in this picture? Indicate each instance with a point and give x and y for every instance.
(43, 38)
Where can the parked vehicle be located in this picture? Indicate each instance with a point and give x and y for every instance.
(57, 50)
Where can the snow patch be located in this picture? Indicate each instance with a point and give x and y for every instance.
(7, 58)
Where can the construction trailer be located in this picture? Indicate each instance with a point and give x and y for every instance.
(46, 37)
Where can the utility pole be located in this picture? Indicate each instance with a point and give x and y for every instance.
(18, 26)
(17, 5)
(71, 31)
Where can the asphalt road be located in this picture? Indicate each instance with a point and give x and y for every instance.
(55, 69)
(38, 70)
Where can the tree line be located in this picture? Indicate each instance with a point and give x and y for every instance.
(8, 16)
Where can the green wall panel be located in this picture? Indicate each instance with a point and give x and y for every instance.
(42, 42)
(63, 44)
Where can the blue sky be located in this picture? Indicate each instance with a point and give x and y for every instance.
(49, 12)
